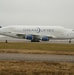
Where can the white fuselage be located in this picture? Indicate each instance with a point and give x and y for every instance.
(40, 31)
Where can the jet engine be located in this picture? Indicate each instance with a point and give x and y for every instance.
(45, 38)
(29, 37)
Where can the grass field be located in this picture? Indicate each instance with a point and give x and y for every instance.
(35, 68)
(39, 48)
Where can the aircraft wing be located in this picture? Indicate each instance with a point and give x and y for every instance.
(33, 36)
(22, 35)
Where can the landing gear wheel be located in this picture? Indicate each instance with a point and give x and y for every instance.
(70, 41)
(35, 40)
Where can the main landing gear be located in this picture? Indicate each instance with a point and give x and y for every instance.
(35, 40)
(70, 41)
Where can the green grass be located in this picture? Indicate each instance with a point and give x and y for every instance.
(37, 46)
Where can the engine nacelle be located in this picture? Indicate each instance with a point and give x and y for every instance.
(45, 38)
(29, 37)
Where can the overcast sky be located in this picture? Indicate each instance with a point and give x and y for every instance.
(37, 12)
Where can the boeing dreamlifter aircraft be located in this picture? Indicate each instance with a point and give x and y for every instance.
(37, 33)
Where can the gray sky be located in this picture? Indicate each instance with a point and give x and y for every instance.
(37, 12)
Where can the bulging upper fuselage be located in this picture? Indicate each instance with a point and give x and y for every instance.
(37, 31)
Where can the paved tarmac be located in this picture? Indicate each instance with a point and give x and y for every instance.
(9, 39)
(37, 57)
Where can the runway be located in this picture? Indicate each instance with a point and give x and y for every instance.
(9, 39)
(36, 57)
